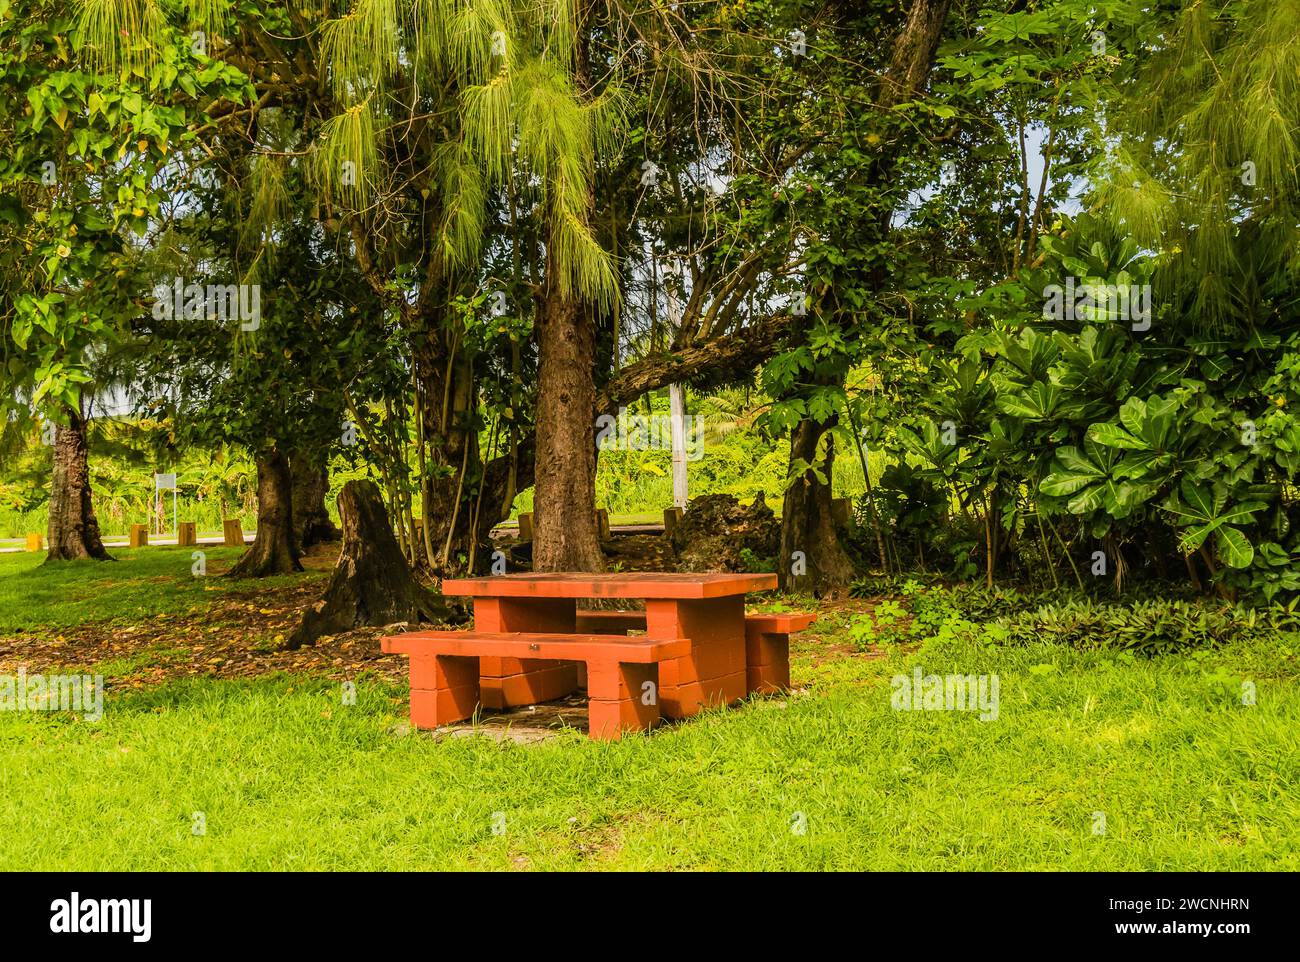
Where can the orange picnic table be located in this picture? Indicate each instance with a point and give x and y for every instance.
(690, 647)
(706, 609)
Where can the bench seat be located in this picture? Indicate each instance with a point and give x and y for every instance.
(786, 622)
(622, 673)
(767, 649)
(767, 641)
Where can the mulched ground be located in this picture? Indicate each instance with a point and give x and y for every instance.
(237, 636)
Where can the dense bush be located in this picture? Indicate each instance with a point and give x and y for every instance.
(1053, 450)
(975, 614)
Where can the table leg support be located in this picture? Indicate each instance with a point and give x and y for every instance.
(714, 672)
(767, 660)
(622, 697)
(525, 681)
(444, 689)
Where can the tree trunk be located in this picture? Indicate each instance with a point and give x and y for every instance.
(311, 482)
(564, 524)
(272, 551)
(991, 530)
(807, 524)
(913, 52)
(73, 529)
(450, 485)
(372, 584)
(565, 536)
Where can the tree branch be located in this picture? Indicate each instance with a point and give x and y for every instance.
(739, 351)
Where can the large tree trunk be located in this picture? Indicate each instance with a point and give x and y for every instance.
(565, 536)
(913, 54)
(311, 482)
(807, 524)
(372, 584)
(272, 551)
(73, 529)
(564, 496)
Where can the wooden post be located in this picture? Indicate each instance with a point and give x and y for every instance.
(35, 542)
(671, 517)
(139, 535)
(234, 534)
(186, 534)
(526, 526)
(602, 524)
(841, 510)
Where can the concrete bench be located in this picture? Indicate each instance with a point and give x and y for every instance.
(767, 649)
(622, 673)
(767, 641)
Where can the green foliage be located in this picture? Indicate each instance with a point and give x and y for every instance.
(212, 485)
(755, 563)
(888, 624)
(976, 615)
(1205, 169)
(79, 181)
(1081, 433)
(1148, 627)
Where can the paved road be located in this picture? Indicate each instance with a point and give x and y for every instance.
(123, 543)
(15, 546)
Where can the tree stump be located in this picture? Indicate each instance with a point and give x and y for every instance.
(372, 584)
(717, 533)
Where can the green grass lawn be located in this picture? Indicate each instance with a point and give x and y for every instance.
(288, 777)
(142, 582)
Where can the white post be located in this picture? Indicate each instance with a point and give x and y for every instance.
(677, 412)
(676, 396)
(161, 482)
